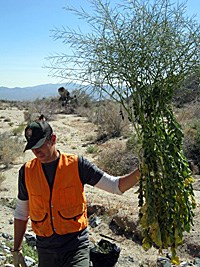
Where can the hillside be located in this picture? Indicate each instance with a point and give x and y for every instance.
(118, 215)
(31, 92)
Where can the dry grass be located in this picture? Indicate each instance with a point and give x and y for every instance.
(10, 148)
(115, 159)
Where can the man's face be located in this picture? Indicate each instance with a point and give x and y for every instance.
(45, 153)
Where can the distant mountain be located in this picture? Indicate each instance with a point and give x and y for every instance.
(32, 92)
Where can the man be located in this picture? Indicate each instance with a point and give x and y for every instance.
(51, 194)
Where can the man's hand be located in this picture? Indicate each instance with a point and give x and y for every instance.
(18, 259)
(129, 180)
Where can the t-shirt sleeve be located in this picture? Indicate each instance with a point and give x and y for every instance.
(22, 190)
(89, 173)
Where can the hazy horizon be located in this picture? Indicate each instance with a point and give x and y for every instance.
(30, 92)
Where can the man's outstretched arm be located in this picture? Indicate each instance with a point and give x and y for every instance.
(129, 180)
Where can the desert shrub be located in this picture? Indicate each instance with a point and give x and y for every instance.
(46, 106)
(83, 99)
(89, 113)
(92, 149)
(191, 144)
(18, 130)
(188, 117)
(189, 90)
(187, 114)
(83, 111)
(115, 159)
(85, 105)
(10, 148)
(107, 115)
(81, 103)
(133, 144)
(109, 118)
(188, 142)
(29, 114)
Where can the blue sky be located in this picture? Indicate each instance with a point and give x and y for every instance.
(25, 30)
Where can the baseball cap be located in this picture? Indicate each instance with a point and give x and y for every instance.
(36, 134)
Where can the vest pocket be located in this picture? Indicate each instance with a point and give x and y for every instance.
(37, 211)
(72, 213)
(42, 227)
(72, 218)
(39, 221)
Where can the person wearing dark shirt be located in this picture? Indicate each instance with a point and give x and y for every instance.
(51, 194)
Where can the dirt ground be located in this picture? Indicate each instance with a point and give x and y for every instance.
(72, 132)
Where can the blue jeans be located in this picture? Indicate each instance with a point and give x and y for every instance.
(79, 258)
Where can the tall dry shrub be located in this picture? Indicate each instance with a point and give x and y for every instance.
(46, 106)
(11, 147)
(110, 119)
(188, 116)
(116, 159)
(191, 144)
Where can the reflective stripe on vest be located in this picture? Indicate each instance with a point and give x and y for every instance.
(64, 209)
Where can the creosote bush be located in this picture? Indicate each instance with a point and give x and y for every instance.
(83, 98)
(191, 143)
(86, 112)
(188, 116)
(115, 159)
(108, 116)
(46, 106)
(189, 91)
(110, 119)
(10, 148)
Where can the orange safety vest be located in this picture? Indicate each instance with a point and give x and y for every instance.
(62, 210)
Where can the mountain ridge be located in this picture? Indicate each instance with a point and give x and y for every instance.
(32, 92)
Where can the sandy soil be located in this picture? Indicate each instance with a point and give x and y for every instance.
(72, 132)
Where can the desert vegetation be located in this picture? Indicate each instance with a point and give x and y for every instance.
(115, 153)
(143, 62)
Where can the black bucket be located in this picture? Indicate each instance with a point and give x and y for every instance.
(104, 254)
